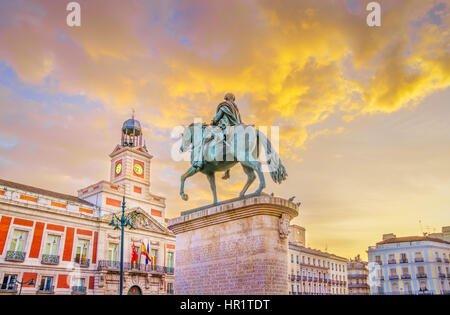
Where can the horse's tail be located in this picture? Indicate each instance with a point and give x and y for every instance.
(276, 168)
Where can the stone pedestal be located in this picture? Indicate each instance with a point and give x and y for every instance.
(236, 247)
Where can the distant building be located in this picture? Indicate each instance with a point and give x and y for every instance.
(65, 243)
(444, 235)
(410, 265)
(297, 235)
(313, 272)
(357, 274)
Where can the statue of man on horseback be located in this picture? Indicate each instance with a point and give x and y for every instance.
(228, 137)
(227, 115)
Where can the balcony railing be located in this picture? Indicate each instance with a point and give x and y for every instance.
(309, 278)
(299, 278)
(379, 262)
(169, 291)
(403, 261)
(393, 277)
(358, 285)
(357, 276)
(107, 264)
(392, 262)
(421, 276)
(315, 279)
(127, 266)
(292, 277)
(46, 290)
(169, 270)
(82, 262)
(420, 259)
(442, 275)
(50, 260)
(438, 259)
(8, 288)
(381, 278)
(15, 256)
(406, 276)
(79, 290)
(446, 260)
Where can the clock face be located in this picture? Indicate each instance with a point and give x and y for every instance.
(138, 169)
(118, 168)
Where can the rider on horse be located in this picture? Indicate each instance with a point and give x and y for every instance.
(227, 115)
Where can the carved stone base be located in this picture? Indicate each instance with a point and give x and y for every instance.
(239, 247)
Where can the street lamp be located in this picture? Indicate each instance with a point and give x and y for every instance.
(120, 223)
(28, 282)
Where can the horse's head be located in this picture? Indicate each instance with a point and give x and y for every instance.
(186, 139)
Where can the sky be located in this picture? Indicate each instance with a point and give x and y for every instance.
(362, 111)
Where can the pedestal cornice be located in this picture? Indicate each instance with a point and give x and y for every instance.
(233, 210)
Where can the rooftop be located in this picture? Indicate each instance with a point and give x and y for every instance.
(313, 251)
(412, 239)
(44, 192)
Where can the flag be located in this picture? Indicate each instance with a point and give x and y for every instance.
(145, 252)
(134, 255)
(146, 260)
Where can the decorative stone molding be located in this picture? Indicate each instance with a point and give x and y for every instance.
(114, 237)
(101, 282)
(284, 226)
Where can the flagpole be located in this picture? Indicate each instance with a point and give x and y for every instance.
(122, 224)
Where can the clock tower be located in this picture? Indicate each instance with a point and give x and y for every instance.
(129, 177)
(130, 161)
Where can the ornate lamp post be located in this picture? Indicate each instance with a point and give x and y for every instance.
(30, 282)
(121, 223)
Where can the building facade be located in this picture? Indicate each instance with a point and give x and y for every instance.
(410, 265)
(313, 272)
(67, 245)
(357, 274)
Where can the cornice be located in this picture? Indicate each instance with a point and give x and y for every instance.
(235, 210)
(133, 150)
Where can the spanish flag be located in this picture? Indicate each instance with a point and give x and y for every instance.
(145, 252)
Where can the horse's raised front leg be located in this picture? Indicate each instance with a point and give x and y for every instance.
(250, 179)
(256, 166)
(191, 171)
(212, 183)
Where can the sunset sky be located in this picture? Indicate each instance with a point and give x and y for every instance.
(363, 112)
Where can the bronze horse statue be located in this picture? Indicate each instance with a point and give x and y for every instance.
(244, 149)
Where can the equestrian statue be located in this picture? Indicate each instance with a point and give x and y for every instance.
(224, 143)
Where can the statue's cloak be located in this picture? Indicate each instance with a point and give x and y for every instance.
(227, 115)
